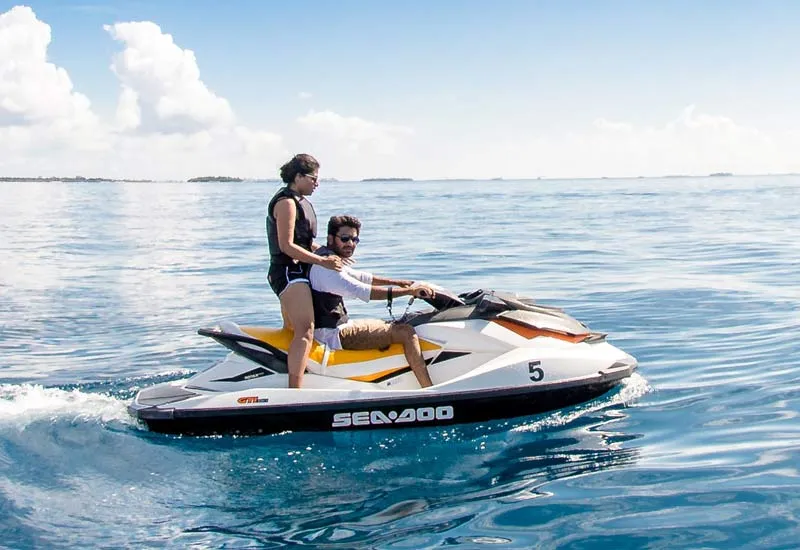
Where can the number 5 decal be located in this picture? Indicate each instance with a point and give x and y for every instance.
(537, 374)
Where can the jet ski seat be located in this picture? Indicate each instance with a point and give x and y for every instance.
(280, 339)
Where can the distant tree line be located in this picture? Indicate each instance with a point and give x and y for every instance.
(213, 178)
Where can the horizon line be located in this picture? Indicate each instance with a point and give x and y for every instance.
(234, 179)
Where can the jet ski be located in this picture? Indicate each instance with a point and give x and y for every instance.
(490, 355)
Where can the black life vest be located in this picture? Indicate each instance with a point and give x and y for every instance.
(329, 310)
(305, 225)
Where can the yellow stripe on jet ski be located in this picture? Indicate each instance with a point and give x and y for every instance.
(281, 338)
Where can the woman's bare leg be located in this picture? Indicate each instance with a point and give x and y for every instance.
(286, 324)
(299, 312)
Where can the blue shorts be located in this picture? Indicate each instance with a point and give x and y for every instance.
(282, 275)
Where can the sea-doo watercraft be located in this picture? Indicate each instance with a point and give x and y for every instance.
(489, 354)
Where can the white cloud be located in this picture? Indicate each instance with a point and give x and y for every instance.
(171, 117)
(257, 142)
(355, 134)
(129, 113)
(692, 143)
(606, 125)
(163, 81)
(351, 147)
(168, 124)
(37, 102)
(221, 151)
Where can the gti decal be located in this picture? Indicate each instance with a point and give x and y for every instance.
(252, 399)
(372, 418)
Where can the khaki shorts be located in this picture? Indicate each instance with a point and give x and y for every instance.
(366, 334)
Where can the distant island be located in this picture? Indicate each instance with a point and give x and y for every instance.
(71, 179)
(720, 174)
(388, 179)
(213, 178)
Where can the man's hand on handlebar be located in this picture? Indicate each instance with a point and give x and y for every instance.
(422, 291)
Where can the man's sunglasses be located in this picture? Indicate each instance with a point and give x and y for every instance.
(348, 238)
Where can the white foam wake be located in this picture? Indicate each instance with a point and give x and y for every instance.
(632, 388)
(25, 404)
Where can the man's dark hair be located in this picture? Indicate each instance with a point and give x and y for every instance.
(337, 222)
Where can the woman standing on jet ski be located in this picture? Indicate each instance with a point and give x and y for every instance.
(291, 228)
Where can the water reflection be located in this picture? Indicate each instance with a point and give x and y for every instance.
(374, 488)
(103, 287)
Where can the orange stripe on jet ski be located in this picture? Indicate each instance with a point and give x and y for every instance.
(376, 375)
(281, 338)
(530, 333)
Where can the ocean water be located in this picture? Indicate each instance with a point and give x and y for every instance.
(103, 285)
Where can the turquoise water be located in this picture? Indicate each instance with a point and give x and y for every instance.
(102, 287)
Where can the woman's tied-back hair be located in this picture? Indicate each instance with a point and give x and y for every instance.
(300, 164)
(337, 222)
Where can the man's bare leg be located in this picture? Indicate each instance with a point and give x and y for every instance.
(406, 335)
(377, 334)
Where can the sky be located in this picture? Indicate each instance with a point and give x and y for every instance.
(423, 89)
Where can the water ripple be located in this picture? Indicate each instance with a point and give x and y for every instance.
(103, 287)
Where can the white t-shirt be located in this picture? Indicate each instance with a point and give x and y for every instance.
(347, 283)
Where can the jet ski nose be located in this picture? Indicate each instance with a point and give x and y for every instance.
(622, 367)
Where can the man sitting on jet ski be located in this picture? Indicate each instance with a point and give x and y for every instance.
(329, 288)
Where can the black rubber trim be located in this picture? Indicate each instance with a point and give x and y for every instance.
(249, 375)
(443, 356)
(470, 406)
(447, 355)
(271, 357)
(391, 375)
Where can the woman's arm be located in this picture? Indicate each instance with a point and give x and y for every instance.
(285, 212)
